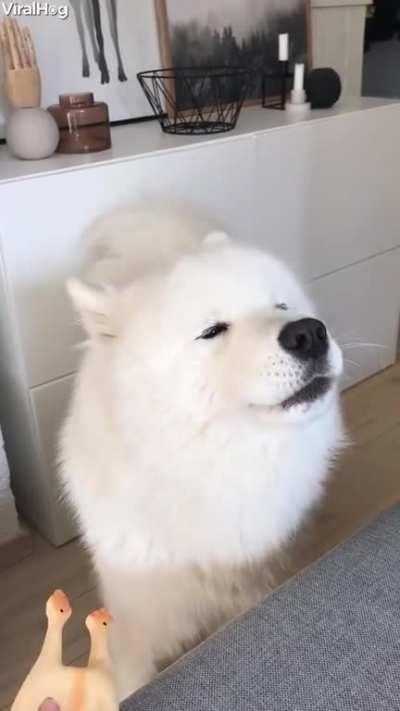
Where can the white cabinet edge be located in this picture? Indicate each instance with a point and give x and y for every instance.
(339, 3)
(138, 141)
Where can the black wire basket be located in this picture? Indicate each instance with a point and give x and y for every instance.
(197, 100)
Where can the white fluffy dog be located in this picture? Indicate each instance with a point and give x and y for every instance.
(200, 432)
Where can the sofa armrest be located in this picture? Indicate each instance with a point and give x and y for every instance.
(327, 640)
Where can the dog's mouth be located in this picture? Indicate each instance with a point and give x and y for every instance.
(314, 390)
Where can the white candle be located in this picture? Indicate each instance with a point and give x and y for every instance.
(283, 47)
(298, 77)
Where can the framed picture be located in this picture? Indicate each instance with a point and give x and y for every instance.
(233, 32)
(93, 45)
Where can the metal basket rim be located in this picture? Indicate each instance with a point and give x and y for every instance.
(215, 72)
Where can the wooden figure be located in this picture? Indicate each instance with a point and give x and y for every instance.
(91, 688)
(21, 72)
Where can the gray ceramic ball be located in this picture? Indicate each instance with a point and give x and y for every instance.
(323, 87)
(32, 134)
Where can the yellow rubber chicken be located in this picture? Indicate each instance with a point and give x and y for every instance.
(52, 685)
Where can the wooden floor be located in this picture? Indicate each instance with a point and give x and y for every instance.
(365, 481)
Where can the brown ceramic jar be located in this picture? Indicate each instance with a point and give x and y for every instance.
(83, 123)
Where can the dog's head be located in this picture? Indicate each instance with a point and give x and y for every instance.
(224, 328)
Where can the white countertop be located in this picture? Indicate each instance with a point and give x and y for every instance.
(339, 3)
(138, 140)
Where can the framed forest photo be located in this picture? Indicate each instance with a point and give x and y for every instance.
(233, 33)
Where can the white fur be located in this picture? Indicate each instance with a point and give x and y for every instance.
(183, 468)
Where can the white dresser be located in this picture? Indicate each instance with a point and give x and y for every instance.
(323, 194)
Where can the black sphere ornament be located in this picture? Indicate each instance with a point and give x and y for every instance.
(323, 87)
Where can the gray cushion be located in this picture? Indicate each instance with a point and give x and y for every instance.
(327, 640)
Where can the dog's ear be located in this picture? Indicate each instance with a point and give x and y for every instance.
(95, 308)
(214, 239)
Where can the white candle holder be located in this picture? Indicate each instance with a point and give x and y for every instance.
(298, 109)
(298, 97)
(298, 104)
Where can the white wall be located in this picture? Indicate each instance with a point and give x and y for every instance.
(337, 28)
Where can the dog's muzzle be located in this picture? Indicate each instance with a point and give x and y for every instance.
(307, 341)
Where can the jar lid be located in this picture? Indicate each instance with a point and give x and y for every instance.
(84, 99)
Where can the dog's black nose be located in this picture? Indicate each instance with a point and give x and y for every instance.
(304, 339)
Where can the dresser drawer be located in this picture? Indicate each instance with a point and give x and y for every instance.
(326, 192)
(49, 406)
(361, 305)
(41, 242)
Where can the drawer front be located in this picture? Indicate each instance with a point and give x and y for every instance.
(318, 195)
(326, 194)
(361, 306)
(41, 240)
(49, 405)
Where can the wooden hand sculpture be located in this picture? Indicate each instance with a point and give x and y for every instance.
(90, 688)
(21, 73)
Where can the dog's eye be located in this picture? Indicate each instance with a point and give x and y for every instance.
(214, 331)
(282, 306)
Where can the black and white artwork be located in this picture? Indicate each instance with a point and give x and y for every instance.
(232, 32)
(97, 46)
(89, 17)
